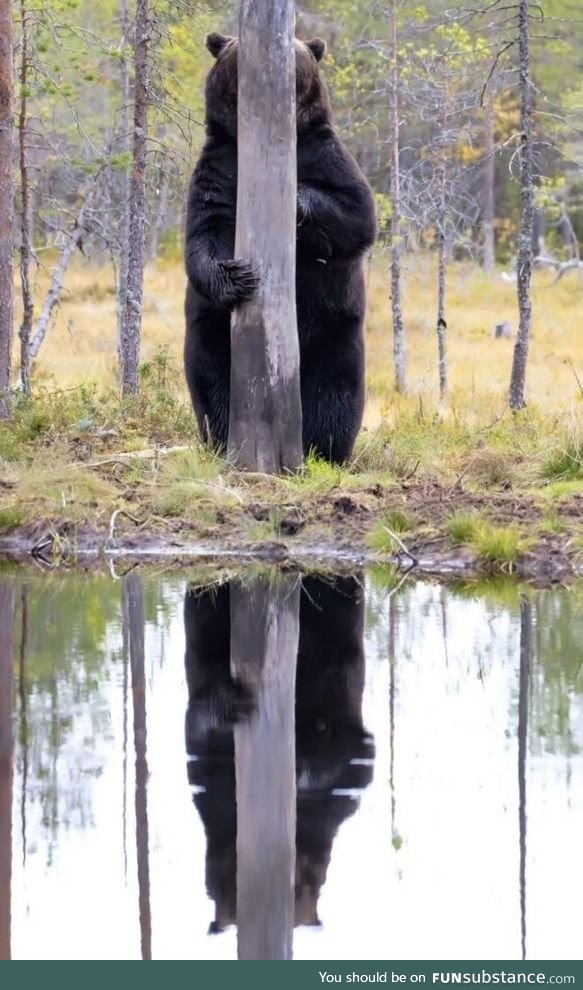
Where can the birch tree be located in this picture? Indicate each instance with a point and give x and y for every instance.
(265, 423)
(6, 206)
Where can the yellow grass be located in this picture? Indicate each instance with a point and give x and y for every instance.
(81, 345)
(478, 366)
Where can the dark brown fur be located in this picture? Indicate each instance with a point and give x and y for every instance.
(336, 225)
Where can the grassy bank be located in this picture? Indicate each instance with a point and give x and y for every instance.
(463, 477)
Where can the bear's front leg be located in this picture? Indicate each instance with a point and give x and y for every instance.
(331, 222)
(224, 281)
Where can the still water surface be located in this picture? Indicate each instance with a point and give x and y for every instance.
(166, 792)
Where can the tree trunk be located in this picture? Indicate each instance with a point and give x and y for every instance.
(131, 330)
(265, 432)
(23, 730)
(524, 680)
(6, 207)
(489, 176)
(6, 771)
(26, 250)
(264, 648)
(133, 618)
(441, 255)
(395, 193)
(392, 713)
(53, 295)
(124, 146)
(516, 395)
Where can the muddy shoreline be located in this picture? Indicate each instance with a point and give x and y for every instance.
(66, 546)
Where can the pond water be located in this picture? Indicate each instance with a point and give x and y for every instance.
(166, 792)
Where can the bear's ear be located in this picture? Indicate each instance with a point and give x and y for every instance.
(317, 48)
(215, 42)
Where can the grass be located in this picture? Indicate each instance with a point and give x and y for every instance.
(75, 450)
(478, 365)
(414, 435)
(462, 527)
(392, 524)
(10, 517)
(263, 530)
(552, 523)
(565, 463)
(496, 547)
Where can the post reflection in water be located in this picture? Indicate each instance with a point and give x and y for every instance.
(240, 657)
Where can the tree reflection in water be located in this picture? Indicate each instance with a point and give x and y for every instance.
(236, 683)
(6, 769)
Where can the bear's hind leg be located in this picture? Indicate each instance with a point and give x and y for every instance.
(332, 414)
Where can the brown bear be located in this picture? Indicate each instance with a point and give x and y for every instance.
(334, 752)
(335, 227)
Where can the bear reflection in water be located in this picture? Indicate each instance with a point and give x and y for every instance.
(334, 753)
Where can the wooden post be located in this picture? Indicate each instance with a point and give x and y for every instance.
(264, 648)
(265, 425)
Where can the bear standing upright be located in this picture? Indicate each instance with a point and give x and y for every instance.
(335, 227)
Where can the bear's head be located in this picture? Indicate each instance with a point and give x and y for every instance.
(312, 102)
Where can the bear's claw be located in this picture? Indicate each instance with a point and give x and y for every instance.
(237, 281)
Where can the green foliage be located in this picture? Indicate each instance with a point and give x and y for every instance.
(316, 473)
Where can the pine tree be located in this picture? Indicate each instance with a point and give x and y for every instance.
(6, 206)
